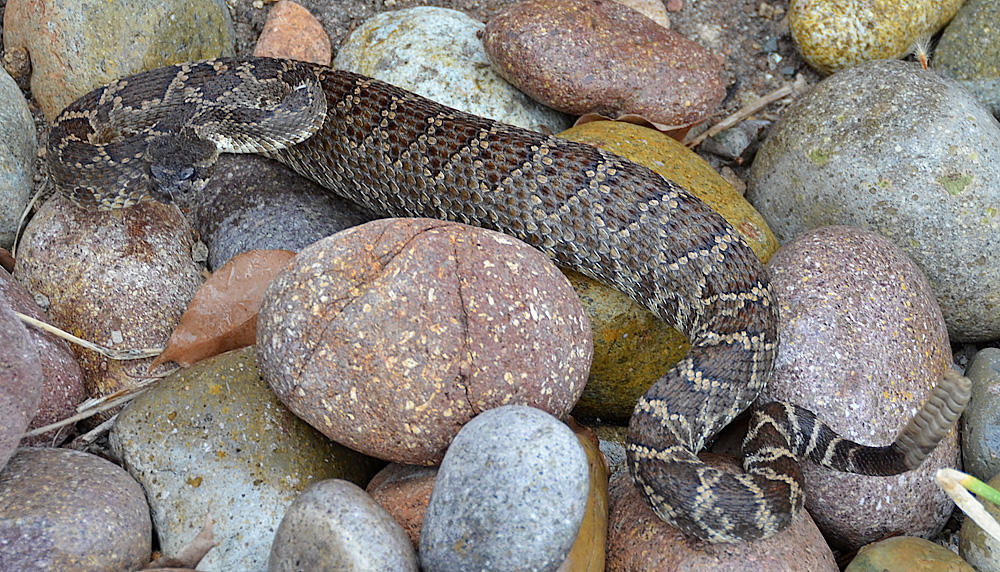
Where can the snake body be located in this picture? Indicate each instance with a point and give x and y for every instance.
(400, 154)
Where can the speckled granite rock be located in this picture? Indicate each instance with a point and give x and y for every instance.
(335, 525)
(436, 321)
(892, 148)
(435, 52)
(633, 348)
(969, 51)
(834, 34)
(639, 540)
(20, 382)
(510, 495)
(981, 420)
(120, 278)
(252, 202)
(78, 46)
(909, 554)
(214, 439)
(61, 383)
(65, 510)
(862, 344)
(17, 157)
(978, 548)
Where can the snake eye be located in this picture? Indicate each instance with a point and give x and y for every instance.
(185, 173)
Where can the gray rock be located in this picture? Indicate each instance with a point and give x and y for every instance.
(214, 439)
(397, 47)
(253, 202)
(981, 421)
(969, 51)
(904, 152)
(17, 157)
(862, 344)
(334, 525)
(66, 510)
(20, 380)
(510, 494)
(974, 544)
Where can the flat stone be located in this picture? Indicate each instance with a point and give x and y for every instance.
(335, 525)
(17, 157)
(511, 494)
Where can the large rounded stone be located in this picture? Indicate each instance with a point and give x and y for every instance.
(436, 53)
(510, 495)
(17, 157)
(65, 510)
(388, 337)
(904, 152)
(334, 525)
(909, 554)
(969, 51)
(20, 380)
(213, 439)
(981, 420)
(862, 344)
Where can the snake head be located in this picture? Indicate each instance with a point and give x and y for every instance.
(179, 165)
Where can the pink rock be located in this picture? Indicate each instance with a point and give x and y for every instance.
(20, 381)
(292, 32)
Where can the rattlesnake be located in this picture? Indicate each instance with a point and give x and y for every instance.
(158, 133)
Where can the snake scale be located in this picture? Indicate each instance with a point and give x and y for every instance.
(158, 133)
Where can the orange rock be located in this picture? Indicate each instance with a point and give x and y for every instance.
(290, 31)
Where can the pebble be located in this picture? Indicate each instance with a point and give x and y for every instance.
(17, 157)
(120, 278)
(75, 46)
(292, 32)
(969, 51)
(977, 547)
(214, 439)
(981, 420)
(639, 540)
(61, 383)
(335, 525)
(20, 384)
(254, 203)
(404, 491)
(511, 494)
(833, 35)
(436, 321)
(862, 344)
(632, 347)
(901, 151)
(435, 52)
(62, 509)
(907, 553)
(593, 56)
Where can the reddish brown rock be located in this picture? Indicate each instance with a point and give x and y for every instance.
(119, 278)
(290, 31)
(404, 491)
(389, 336)
(20, 381)
(639, 540)
(62, 381)
(863, 342)
(599, 56)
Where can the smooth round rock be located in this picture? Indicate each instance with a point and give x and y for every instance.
(909, 554)
(66, 510)
(640, 540)
(977, 547)
(17, 157)
(389, 336)
(61, 382)
(436, 53)
(510, 495)
(862, 345)
(904, 152)
(78, 46)
(213, 439)
(335, 525)
(20, 380)
(981, 420)
(120, 278)
(596, 56)
(255, 203)
(834, 34)
(969, 51)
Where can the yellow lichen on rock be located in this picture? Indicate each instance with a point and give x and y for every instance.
(836, 34)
